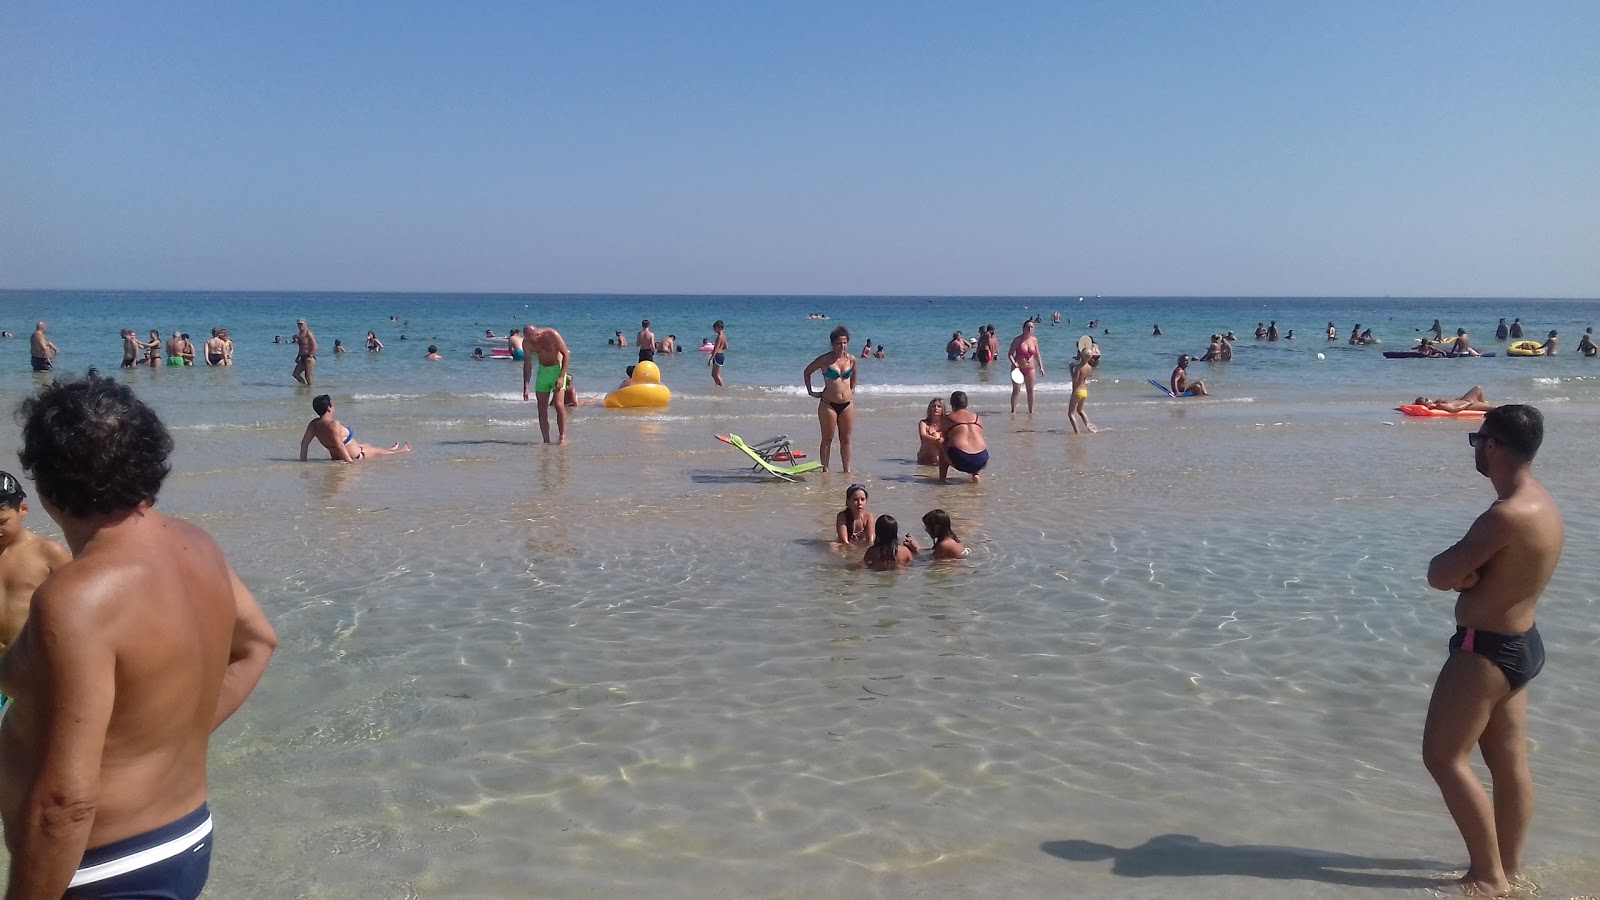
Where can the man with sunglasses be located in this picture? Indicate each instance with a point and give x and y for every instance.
(1499, 569)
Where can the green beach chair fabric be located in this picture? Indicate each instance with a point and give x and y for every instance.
(762, 464)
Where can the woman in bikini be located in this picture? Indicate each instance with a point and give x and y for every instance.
(930, 438)
(1025, 359)
(853, 524)
(373, 344)
(834, 410)
(152, 350)
(964, 446)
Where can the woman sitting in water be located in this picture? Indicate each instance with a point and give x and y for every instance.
(853, 524)
(887, 550)
(929, 435)
(945, 543)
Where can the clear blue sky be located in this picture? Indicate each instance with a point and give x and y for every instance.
(1281, 147)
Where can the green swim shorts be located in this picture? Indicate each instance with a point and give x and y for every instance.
(545, 381)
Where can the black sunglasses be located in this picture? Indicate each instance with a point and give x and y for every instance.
(1476, 438)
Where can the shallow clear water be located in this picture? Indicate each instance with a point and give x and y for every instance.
(627, 668)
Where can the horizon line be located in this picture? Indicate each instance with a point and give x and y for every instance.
(680, 294)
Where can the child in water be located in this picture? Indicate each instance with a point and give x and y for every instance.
(946, 545)
(853, 524)
(887, 550)
(930, 440)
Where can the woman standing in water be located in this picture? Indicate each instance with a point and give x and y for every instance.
(834, 410)
(1025, 358)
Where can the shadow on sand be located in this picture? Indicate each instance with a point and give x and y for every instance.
(1176, 855)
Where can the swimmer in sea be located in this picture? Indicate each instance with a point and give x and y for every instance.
(1472, 401)
(1586, 344)
(433, 353)
(888, 551)
(44, 352)
(340, 440)
(1180, 383)
(131, 347)
(216, 349)
(1501, 330)
(853, 524)
(1516, 329)
(477, 354)
(373, 344)
(946, 545)
(1333, 333)
(956, 348)
(152, 350)
(835, 412)
(1157, 331)
(878, 353)
(1480, 702)
(645, 340)
(1025, 358)
(1550, 343)
(965, 449)
(930, 440)
(305, 361)
(514, 343)
(339, 347)
(719, 353)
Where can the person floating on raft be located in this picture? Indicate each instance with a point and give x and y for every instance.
(1472, 401)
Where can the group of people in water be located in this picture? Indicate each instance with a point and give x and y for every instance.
(176, 350)
(855, 527)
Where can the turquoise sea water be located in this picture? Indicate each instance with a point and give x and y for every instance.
(1189, 657)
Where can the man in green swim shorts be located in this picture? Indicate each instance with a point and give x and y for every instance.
(551, 351)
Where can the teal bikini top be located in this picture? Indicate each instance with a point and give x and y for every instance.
(832, 374)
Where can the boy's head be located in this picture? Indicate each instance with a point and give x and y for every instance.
(13, 508)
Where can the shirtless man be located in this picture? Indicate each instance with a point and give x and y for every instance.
(554, 359)
(1180, 383)
(26, 560)
(1586, 344)
(1463, 345)
(1473, 400)
(1214, 351)
(719, 353)
(338, 438)
(305, 361)
(1499, 569)
(216, 349)
(964, 446)
(174, 345)
(44, 352)
(645, 340)
(133, 653)
(130, 348)
(514, 343)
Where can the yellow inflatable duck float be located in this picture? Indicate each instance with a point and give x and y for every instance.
(643, 390)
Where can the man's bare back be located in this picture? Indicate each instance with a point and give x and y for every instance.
(132, 654)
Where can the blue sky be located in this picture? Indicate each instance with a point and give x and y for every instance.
(1274, 148)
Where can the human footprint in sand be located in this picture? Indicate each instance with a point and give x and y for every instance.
(339, 439)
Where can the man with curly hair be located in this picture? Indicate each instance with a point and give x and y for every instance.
(133, 652)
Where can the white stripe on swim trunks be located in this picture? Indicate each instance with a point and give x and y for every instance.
(133, 862)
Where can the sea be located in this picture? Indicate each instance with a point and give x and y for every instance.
(1189, 656)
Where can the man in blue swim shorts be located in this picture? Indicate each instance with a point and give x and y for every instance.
(133, 652)
(1480, 699)
(553, 357)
